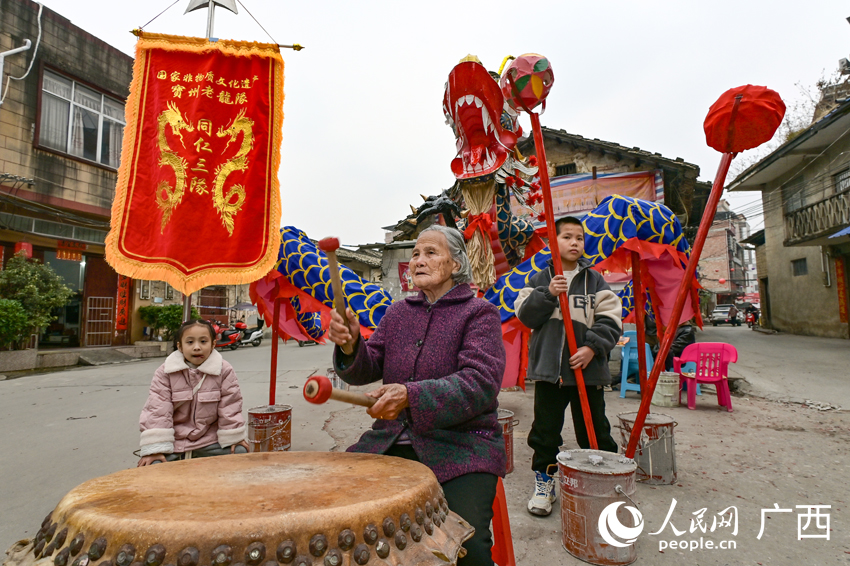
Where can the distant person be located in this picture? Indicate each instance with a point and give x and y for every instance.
(194, 408)
(595, 312)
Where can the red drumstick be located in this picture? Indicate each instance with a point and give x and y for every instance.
(319, 389)
(329, 246)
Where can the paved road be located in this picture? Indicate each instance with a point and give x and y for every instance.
(786, 366)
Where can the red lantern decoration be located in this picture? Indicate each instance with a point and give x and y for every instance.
(733, 126)
(25, 247)
(721, 281)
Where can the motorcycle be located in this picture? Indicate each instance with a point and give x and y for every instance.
(228, 337)
(751, 320)
(252, 336)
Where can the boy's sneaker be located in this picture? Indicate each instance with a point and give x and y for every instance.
(544, 494)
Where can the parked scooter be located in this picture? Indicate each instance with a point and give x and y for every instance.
(752, 319)
(254, 335)
(228, 337)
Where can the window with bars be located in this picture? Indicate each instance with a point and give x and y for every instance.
(841, 181)
(799, 267)
(567, 169)
(169, 291)
(144, 289)
(80, 121)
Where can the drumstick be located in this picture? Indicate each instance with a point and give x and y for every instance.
(329, 246)
(318, 390)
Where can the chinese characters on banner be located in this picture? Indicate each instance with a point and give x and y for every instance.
(406, 279)
(122, 304)
(841, 287)
(197, 199)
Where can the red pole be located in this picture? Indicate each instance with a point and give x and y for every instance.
(684, 291)
(640, 313)
(273, 378)
(559, 270)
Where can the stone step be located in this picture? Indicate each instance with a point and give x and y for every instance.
(103, 357)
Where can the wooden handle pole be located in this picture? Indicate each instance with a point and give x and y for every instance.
(353, 397)
(339, 298)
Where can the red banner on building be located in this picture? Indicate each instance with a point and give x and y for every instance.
(197, 200)
(841, 287)
(122, 304)
(406, 279)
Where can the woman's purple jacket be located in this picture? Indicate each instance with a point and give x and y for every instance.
(450, 356)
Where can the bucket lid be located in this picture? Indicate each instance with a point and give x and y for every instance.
(266, 409)
(505, 414)
(597, 462)
(651, 418)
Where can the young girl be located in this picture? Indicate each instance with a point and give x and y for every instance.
(194, 408)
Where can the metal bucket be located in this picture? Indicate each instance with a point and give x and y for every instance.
(666, 392)
(506, 419)
(270, 428)
(594, 485)
(656, 451)
(336, 381)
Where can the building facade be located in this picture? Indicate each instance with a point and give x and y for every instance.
(61, 128)
(723, 269)
(804, 250)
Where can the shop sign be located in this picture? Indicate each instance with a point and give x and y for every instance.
(840, 280)
(122, 305)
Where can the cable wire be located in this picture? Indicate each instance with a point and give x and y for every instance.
(158, 15)
(258, 22)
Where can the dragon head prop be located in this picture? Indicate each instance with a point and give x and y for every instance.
(474, 105)
(533, 77)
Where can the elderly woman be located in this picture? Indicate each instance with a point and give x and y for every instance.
(441, 359)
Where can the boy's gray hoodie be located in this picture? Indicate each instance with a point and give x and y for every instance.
(596, 314)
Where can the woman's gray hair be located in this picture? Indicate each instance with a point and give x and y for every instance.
(457, 249)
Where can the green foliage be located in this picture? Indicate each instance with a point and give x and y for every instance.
(165, 318)
(36, 287)
(15, 323)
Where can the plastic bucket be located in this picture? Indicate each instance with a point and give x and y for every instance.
(592, 483)
(656, 450)
(270, 428)
(666, 392)
(506, 419)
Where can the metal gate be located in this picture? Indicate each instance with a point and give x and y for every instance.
(100, 323)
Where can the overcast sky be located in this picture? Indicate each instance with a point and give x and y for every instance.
(364, 132)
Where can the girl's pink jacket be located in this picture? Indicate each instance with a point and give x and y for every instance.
(177, 419)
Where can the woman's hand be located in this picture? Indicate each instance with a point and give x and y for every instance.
(558, 285)
(392, 400)
(241, 443)
(342, 332)
(581, 358)
(150, 459)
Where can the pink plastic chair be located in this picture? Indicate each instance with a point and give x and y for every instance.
(712, 360)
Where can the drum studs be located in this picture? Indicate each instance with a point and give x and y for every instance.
(361, 554)
(334, 558)
(382, 549)
(400, 540)
(106, 563)
(83, 560)
(38, 548)
(416, 533)
(48, 535)
(370, 534)
(318, 545)
(77, 544)
(222, 555)
(389, 527)
(404, 522)
(97, 548)
(48, 550)
(445, 505)
(60, 538)
(420, 516)
(189, 556)
(303, 561)
(47, 519)
(437, 520)
(255, 553)
(429, 510)
(436, 505)
(286, 552)
(125, 555)
(345, 541)
(429, 527)
(442, 517)
(62, 558)
(155, 555)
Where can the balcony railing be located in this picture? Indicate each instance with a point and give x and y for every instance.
(817, 220)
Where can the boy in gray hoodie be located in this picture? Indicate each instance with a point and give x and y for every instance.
(596, 316)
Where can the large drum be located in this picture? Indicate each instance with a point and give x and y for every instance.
(261, 509)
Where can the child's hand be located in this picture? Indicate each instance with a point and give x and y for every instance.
(581, 358)
(150, 459)
(242, 443)
(558, 285)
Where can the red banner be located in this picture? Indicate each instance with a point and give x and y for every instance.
(841, 287)
(407, 285)
(197, 201)
(122, 304)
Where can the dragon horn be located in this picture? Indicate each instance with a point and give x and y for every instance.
(423, 197)
(412, 209)
(464, 213)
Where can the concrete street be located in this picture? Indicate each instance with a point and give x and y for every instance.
(63, 428)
